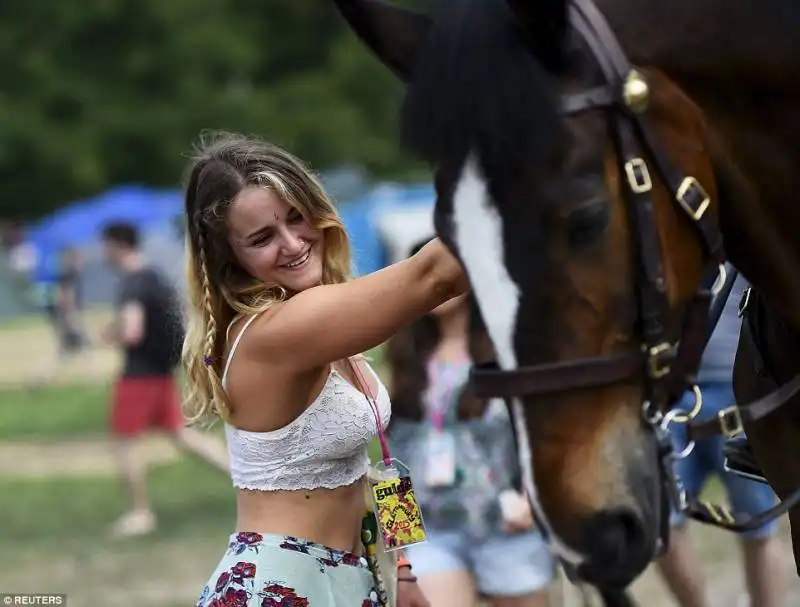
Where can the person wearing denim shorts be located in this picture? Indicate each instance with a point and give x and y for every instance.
(479, 543)
(761, 558)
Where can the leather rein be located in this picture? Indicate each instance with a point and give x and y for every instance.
(669, 363)
(730, 421)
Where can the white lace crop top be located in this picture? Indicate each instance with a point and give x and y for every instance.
(324, 447)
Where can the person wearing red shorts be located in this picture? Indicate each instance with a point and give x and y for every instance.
(148, 330)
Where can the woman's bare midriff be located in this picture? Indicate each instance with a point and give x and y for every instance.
(331, 517)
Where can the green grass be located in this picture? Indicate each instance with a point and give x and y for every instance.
(53, 413)
(54, 534)
(67, 411)
(377, 358)
(38, 319)
(22, 322)
(189, 498)
(55, 538)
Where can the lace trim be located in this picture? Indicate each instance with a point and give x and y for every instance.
(320, 482)
(322, 448)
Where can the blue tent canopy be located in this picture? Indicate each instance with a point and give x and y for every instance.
(82, 222)
(360, 219)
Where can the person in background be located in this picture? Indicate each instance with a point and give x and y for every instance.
(148, 330)
(763, 568)
(462, 451)
(64, 308)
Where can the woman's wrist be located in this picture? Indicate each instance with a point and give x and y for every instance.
(443, 270)
(403, 562)
(404, 569)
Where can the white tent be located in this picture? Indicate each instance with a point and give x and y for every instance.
(400, 228)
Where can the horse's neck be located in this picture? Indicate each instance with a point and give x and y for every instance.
(749, 94)
(749, 99)
(757, 161)
(751, 40)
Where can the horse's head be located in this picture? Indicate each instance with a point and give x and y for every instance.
(577, 250)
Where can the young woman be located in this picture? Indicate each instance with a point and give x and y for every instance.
(272, 348)
(461, 451)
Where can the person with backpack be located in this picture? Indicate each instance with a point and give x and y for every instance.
(148, 329)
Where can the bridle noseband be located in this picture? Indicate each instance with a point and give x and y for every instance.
(668, 363)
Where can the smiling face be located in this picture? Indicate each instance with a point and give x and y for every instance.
(273, 241)
(259, 229)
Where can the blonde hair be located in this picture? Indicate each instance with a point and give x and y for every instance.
(219, 288)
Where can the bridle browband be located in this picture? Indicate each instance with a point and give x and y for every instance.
(668, 363)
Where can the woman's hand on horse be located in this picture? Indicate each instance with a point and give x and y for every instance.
(449, 269)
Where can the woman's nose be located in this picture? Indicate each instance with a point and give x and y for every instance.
(292, 243)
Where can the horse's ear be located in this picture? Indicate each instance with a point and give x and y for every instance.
(545, 23)
(394, 33)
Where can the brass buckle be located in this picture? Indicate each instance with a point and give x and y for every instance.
(730, 421)
(646, 183)
(656, 368)
(687, 184)
(685, 418)
(719, 513)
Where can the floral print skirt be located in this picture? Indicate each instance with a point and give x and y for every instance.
(276, 571)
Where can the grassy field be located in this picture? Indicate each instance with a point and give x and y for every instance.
(54, 526)
(55, 529)
(28, 346)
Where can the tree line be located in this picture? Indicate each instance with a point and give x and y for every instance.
(96, 93)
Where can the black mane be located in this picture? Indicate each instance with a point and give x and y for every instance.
(477, 87)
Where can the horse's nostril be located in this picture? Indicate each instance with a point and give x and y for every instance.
(613, 538)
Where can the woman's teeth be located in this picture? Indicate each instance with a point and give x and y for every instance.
(299, 262)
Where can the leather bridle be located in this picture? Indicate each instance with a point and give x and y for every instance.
(668, 363)
(641, 158)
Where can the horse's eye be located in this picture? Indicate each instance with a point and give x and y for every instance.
(586, 224)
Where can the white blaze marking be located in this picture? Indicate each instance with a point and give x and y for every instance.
(478, 234)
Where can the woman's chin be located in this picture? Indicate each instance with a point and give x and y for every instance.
(301, 281)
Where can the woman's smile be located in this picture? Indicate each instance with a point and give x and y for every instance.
(298, 263)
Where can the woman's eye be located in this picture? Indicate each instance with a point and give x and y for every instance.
(262, 240)
(295, 217)
(586, 224)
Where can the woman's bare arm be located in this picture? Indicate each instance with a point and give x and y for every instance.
(332, 322)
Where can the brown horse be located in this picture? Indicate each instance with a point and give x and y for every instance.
(559, 170)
